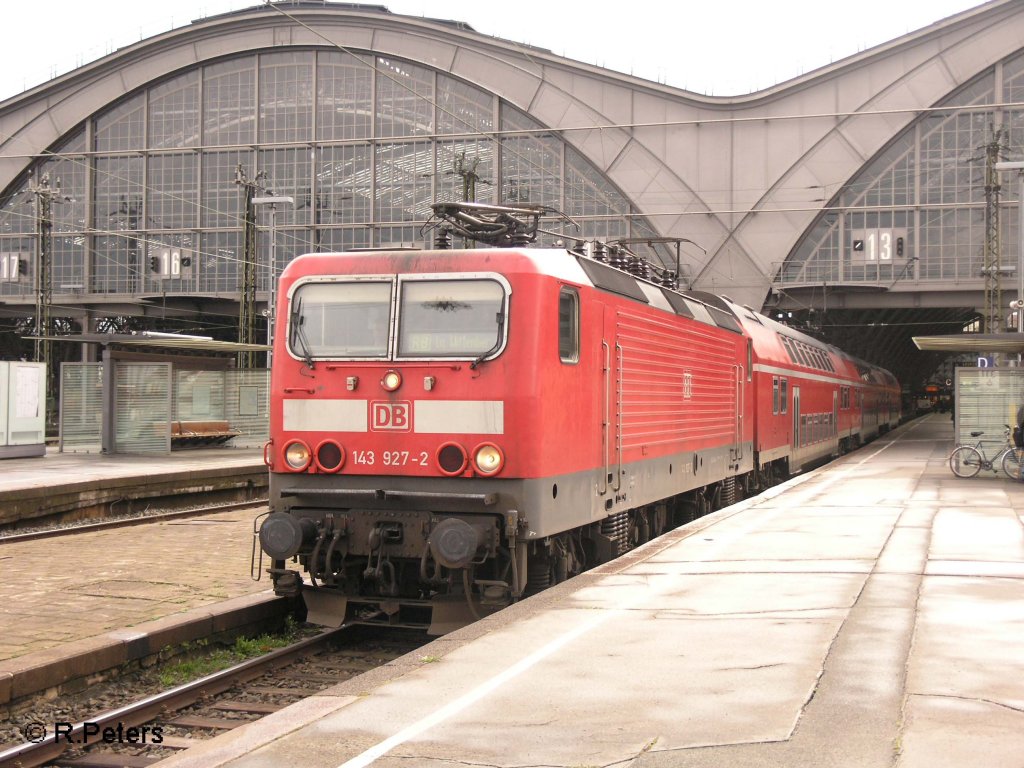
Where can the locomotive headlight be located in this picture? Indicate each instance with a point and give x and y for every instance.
(392, 380)
(488, 459)
(297, 455)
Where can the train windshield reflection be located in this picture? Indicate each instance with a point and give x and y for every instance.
(450, 318)
(342, 319)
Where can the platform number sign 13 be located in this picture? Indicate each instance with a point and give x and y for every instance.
(878, 246)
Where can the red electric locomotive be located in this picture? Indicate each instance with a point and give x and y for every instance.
(453, 429)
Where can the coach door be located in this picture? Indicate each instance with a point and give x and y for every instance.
(835, 420)
(738, 439)
(611, 405)
(796, 418)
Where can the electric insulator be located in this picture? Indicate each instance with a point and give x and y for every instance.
(617, 258)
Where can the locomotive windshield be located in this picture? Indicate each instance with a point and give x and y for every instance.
(341, 320)
(436, 318)
(450, 318)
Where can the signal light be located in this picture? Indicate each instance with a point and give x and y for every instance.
(22, 266)
(330, 456)
(451, 459)
(154, 263)
(899, 246)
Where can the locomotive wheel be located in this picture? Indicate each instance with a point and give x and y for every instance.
(538, 573)
(643, 530)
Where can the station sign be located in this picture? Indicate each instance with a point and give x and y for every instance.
(170, 262)
(878, 246)
(12, 267)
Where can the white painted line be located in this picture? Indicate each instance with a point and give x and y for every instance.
(841, 474)
(476, 694)
(453, 708)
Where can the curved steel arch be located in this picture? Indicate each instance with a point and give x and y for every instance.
(732, 174)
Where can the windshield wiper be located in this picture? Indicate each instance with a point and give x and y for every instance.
(299, 335)
(497, 343)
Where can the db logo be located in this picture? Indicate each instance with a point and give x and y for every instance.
(391, 416)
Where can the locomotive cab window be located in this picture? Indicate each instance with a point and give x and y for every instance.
(568, 326)
(340, 319)
(459, 318)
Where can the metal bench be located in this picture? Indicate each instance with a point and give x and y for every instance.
(193, 434)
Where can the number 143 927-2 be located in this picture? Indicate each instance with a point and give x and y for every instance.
(389, 458)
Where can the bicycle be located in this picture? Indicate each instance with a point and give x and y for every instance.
(969, 460)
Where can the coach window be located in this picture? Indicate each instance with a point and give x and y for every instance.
(775, 395)
(459, 318)
(569, 326)
(783, 395)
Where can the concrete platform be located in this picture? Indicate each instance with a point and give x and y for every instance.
(83, 485)
(865, 614)
(86, 603)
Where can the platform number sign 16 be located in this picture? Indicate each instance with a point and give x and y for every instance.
(878, 246)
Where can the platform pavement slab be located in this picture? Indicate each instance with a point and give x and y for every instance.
(61, 469)
(67, 588)
(865, 614)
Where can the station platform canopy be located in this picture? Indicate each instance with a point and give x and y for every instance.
(154, 339)
(157, 392)
(1012, 343)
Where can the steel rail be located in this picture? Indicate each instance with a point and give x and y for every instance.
(32, 754)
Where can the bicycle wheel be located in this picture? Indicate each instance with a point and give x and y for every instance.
(965, 461)
(1012, 461)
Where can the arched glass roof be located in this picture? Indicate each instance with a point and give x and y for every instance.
(363, 143)
(915, 213)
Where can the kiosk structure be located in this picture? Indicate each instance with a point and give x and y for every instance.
(22, 409)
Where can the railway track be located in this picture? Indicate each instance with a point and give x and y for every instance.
(148, 730)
